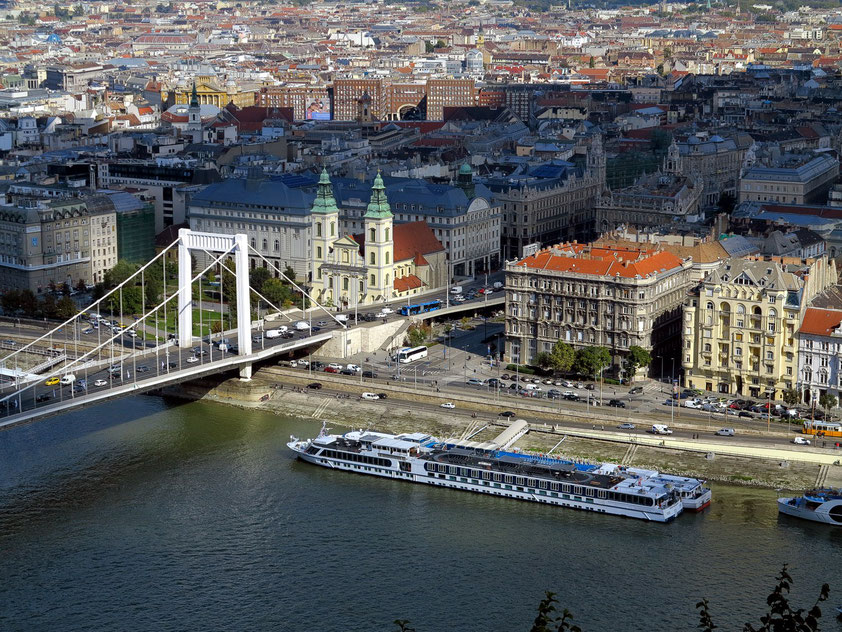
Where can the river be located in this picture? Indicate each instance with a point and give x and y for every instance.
(149, 514)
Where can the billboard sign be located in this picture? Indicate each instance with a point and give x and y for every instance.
(317, 110)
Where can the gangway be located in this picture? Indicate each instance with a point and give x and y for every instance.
(510, 435)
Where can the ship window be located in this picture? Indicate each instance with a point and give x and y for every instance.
(520, 481)
(451, 469)
(554, 487)
(509, 479)
(498, 477)
(542, 484)
(486, 475)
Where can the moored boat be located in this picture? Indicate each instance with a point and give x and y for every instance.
(485, 468)
(818, 505)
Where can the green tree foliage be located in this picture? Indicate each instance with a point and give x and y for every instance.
(790, 397)
(66, 308)
(591, 63)
(544, 360)
(827, 401)
(591, 360)
(80, 285)
(417, 334)
(548, 620)
(637, 357)
(258, 277)
(48, 306)
(563, 356)
(119, 273)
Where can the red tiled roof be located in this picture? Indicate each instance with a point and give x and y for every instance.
(820, 322)
(409, 239)
(599, 261)
(420, 260)
(409, 282)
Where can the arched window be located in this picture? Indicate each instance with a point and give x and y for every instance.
(277, 245)
(265, 245)
(371, 281)
(741, 309)
(318, 229)
(372, 234)
(318, 252)
(372, 259)
(253, 243)
(388, 258)
(362, 287)
(333, 229)
(772, 315)
(709, 305)
(387, 280)
(756, 311)
(387, 234)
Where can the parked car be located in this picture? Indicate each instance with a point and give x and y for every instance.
(447, 405)
(616, 403)
(507, 413)
(567, 384)
(693, 403)
(572, 397)
(314, 385)
(626, 426)
(370, 374)
(333, 365)
(382, 395)
(637, 390)
(745, 413)
(505, 376)
(590, 387)
(331, 369)
(348, 372)
(100, 383)
(474, 381)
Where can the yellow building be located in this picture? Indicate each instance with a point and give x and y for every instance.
(740, 324)
(209, 92)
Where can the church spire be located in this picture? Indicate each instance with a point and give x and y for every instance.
(325, 203)
(378, 207)
(194, 97)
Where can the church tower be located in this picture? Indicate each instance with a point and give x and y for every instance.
(194, 117)
(465, 180)
(324, 218)
(364, 109)
(379, 245)
(596, 160)
(672, 162)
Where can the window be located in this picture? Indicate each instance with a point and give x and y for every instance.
(388, 258)
(345, 283)
(387, 234)
(333, 229)
(372, 234)
(371, 281)
(318, 251)
(318, 229)
(371, 258)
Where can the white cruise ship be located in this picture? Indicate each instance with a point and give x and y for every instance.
(487, 469)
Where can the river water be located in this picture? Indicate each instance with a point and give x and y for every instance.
(148, 514)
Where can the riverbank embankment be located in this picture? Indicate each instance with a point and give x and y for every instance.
(283, 391)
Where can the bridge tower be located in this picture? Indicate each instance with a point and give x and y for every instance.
(211, 242)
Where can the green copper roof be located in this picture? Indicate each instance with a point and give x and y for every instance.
(324, 202)
(465, 169)
(194, 98)
(379, 205)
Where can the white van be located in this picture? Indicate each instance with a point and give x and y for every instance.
(302, 325)
(69, 378)
(456, 289)
(273, 333)
(498, 285)
(661, 429)
(353, 367)
(532, 387)
(342, 318)
(370, 396)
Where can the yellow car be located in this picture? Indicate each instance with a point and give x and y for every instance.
(52, 381)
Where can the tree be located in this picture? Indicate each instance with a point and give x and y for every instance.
(827, 401)
(121, 271)
(428, 47)
(80, 285)
(66, 289)
(591, 360)
(563, 356)
(638, 357)
(10, 302)
(66, 308)
(417, 334)
(547, 621)
(48, 306)
(258, 277)
(276, 292)
(289, 273)
(544, 360)
(29, 303)
(591, 63)
(790, 397)
(667, 53)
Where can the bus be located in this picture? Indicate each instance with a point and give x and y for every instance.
(404, 356)
(823, 428)
(420, 308)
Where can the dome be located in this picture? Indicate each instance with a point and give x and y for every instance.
(465, 169)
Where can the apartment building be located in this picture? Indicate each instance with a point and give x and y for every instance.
(347, 94)
(296, 96)
(717, 159)
(588, 295)
(549, 204)
(820, 354)
(442, 93)
(792, 179)
(741, 321)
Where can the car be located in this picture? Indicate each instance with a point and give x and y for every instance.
(513, 386)
(594, 401)
(52, 381)
(370, 374)
(142, 369)
(68, 378)
(590, 387)
(637, 390)
(548, 382)
(616, 403)
(315, 329)
(347, 372)
(353, 367)
(626, 426)
(100, 383)
(316, 365)
(567, 384)
(474, 381)
(447, 405)
(572, 397)
(333, 365)
(43, 397)
(314, 385)
(553, 394)
(382, 395)
(192, 360)
(172, 365)
(89, 330)
(725, 432)
(387, 310)
(330, 369)
(579, 385)
(493, 381)
(369, 396)
(505, 376)
(745, 413)
(322, 323)
(506, 413)
(693, 403)
(800, 441)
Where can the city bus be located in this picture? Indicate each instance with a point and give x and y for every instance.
(826, 428)
(420, 308)
(409, 354)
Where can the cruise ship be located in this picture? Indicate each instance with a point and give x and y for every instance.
(818, 505)
(488, 468)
